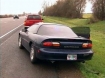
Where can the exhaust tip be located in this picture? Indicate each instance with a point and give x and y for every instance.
(52, 61)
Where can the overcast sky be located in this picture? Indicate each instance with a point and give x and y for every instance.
(28, 6)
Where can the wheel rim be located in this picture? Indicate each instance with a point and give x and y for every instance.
(19, 42)
(32, 53)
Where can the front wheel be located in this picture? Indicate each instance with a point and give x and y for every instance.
(20, 43)
(33, 55)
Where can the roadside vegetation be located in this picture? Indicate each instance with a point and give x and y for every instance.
(5, 16)
(75, 9)
(94, 68)
(87, 15)
(98, 9)
(65, 8)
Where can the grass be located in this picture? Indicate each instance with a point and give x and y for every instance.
(94, 68)
(87, 15)
(66, 21)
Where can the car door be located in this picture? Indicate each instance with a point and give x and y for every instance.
(28, 36)
(82, 31)
(26, 40)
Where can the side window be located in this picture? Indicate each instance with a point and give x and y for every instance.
(42, 30)
(33, 29)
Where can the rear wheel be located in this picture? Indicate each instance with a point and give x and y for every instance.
(20, 43)
(33, 55)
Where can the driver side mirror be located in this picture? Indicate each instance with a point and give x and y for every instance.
(24, 30)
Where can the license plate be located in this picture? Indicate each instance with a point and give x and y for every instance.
(71, 57)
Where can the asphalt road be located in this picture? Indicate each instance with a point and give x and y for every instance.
(15, 62)
(7, 24)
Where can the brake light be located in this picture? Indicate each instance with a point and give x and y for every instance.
(24, 21)
(90, 45)
(87, 45)
(47, 44)
(51, 44)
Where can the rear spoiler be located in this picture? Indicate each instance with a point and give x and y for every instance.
(82, 31)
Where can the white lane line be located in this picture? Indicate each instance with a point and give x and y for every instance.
(5, 41)
(10, 31)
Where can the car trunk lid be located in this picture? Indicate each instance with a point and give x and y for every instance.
(75, 43)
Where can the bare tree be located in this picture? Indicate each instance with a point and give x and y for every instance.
(98, 9)
(66, 8)
(40, 13)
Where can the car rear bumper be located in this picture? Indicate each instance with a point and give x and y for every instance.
(61, 55)
(27, 24)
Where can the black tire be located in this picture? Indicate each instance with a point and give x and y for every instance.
(26, 28)
(20, 43)
(33, 55)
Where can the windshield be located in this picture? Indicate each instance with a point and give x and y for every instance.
(32, 17)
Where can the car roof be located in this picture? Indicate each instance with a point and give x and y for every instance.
(32, 14)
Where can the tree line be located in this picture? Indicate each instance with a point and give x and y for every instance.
(74, 8)
(98, 9)
(66, 8)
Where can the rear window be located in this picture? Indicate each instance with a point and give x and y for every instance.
(56, 30)
(33, 17)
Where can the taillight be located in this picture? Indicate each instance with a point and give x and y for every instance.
(47, 44)
(51, 44)
(90, 45)
(56, 44)
(87, 45)
(24, 21)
